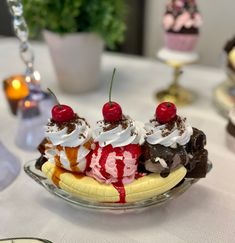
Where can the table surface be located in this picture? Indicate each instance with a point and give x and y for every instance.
(205, 213)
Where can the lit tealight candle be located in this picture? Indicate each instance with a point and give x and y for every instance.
(29, 109)
(15, 89)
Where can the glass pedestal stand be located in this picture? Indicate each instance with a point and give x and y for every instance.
(175, 92)
(224, 94)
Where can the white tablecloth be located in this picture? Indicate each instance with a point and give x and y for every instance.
(205, 213)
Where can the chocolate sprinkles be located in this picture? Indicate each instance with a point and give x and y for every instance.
(70, 125)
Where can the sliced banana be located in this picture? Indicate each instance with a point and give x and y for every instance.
(89, 189)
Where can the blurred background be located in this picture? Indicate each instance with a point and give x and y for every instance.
(144, 32)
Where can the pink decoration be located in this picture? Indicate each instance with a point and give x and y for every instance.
(189, 24)
(179, 4)
(168, 21)
(181, 21)
(185, 18)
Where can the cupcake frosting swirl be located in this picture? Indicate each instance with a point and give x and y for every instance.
(68, 134)
(118, 134)
(170, 134)
(181, 14)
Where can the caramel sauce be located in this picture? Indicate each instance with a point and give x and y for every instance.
(59, 147)
(78, 176)
(72, 155)
(57, 161)
(88, 144)
(56, 175)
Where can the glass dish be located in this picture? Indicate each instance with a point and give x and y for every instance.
(40, 178)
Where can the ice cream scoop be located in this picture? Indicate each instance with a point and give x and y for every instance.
(117, 151)
(118, 138)
(68, 140)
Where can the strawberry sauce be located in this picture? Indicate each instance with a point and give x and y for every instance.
(120, 165)
(121, 190)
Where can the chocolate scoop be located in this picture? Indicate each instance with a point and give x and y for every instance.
(229, 45)
(42, 146)
(197, 166)
(40, 161)
(161, 159)
(197, 141)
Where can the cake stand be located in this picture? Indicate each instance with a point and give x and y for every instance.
(175, 92)
(224, 94)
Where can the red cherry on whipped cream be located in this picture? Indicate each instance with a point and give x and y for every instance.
(112, 111)
(165, 112)
(61, 113)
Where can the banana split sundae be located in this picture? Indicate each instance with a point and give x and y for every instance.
(120, 161)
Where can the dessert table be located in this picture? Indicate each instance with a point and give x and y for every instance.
(205, 213)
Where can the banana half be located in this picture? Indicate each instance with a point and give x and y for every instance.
(88, 188)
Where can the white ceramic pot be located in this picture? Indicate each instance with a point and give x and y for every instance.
(76, 59)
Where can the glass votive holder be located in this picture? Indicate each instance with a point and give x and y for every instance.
(33, 114)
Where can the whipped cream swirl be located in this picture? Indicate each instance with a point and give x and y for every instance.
(232, 116)
(67, 137)
(170, 134)
(120, 134)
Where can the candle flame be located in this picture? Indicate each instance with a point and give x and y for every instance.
(27, 104)
(16, 84)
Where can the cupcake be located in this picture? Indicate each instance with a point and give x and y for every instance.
(231, 130)
(67, 141)
(171, 142)
(181, 24)
(230, 57)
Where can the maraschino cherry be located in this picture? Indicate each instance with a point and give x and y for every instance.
(165, 112)
(112, 111)
(61, 113)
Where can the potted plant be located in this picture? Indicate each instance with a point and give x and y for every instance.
(75, 31)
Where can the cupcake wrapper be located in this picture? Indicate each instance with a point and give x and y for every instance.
(181, 42)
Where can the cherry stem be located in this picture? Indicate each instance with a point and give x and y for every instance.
(53, 94)
(168, 104)
(111, 86)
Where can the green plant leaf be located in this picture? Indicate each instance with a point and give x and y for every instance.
(105, 17)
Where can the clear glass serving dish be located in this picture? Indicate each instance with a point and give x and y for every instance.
(40, 178)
